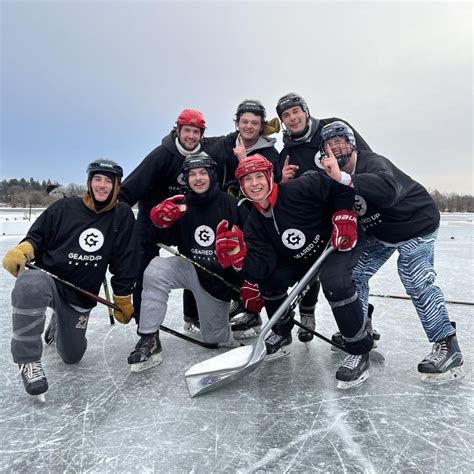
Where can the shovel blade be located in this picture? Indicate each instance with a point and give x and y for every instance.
(223, 369)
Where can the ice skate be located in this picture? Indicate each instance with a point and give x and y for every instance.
(247, 325)
(34, 380)
(309, 321)
(278, 345)
(147, 353)
(338, 339)
(236, 308)
(353, 371)
(444, 363)
(191, 326)
(50, 333)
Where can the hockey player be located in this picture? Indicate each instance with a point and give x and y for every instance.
(286, 231)
(251, 136)
(157, 177)
(76, 239)
(193, 219)
(302, 140)
(398, 214)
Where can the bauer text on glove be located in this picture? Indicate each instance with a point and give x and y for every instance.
(344, 230)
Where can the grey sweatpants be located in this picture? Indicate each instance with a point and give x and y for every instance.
(34, 291)
(165, 274)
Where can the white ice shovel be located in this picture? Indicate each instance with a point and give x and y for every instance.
(224, 368)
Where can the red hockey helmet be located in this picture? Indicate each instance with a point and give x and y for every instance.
(191, 117)
(251, 164)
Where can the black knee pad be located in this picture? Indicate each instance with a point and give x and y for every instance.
(362, 346)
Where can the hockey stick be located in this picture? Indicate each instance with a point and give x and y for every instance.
(400, 297)
(176, 253)
(224, 368)
(107, 295)
(113, 306)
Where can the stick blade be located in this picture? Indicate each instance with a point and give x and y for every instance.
(223, 369)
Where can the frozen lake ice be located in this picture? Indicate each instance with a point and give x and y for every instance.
(287, 416)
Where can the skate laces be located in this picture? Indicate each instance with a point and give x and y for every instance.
(274, 338)
(439, 352)
(352, 361)
(32, 371)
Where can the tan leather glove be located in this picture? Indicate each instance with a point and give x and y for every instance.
(271, 127)
(126, 308)
(16, 258)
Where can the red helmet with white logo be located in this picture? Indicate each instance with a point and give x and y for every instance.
(251, 164)
(191, 117)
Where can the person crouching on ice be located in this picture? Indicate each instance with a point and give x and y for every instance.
(286, 231)
(75, 239)
(399, 215)
(191, 220)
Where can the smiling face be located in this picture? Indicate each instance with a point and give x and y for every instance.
(295, 120)
(189, 136)
(250, 127)
(101, 187)
(199, 180)
(256, 187)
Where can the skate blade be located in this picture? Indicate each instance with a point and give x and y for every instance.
(41, 398)
(253, 332)
(456, 373)
(284, 351)
(153, 361)
(344, 385)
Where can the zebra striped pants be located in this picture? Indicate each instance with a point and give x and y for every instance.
(415, 266)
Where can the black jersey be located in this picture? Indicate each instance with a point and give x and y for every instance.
(391, 205)
(306, 154)
(78, 245)
(297, 228)
(194, 234)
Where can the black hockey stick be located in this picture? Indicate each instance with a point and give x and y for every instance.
(400, 297)
(107, 295)
(176, 253)
(113, 306)
(314, 333)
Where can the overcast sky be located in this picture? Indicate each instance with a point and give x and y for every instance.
(87, 79)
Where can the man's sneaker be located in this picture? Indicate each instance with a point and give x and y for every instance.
(33, 377)
(309, 321)
(192, 327)
(444, 363)
(147, 353)
(353, 371)
(247, 325)
(339, 339)
(236, 308)
(50, 333)
(277, 345)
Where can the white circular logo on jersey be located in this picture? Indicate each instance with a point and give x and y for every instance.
(360, 205)
(317, 160)
(181, 179)
(91, 240)
(293, 239)
(204, 236)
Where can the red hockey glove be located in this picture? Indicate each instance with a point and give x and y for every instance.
(168, 211)
(344, 230)
(251, 297)
(230, 246)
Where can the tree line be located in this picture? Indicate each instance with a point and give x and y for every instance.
(25, 193)
(34, 193)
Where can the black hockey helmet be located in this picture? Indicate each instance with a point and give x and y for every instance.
(291, 100)
(107, 167)
(200, 160)
(253, 106)
(337, 129)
